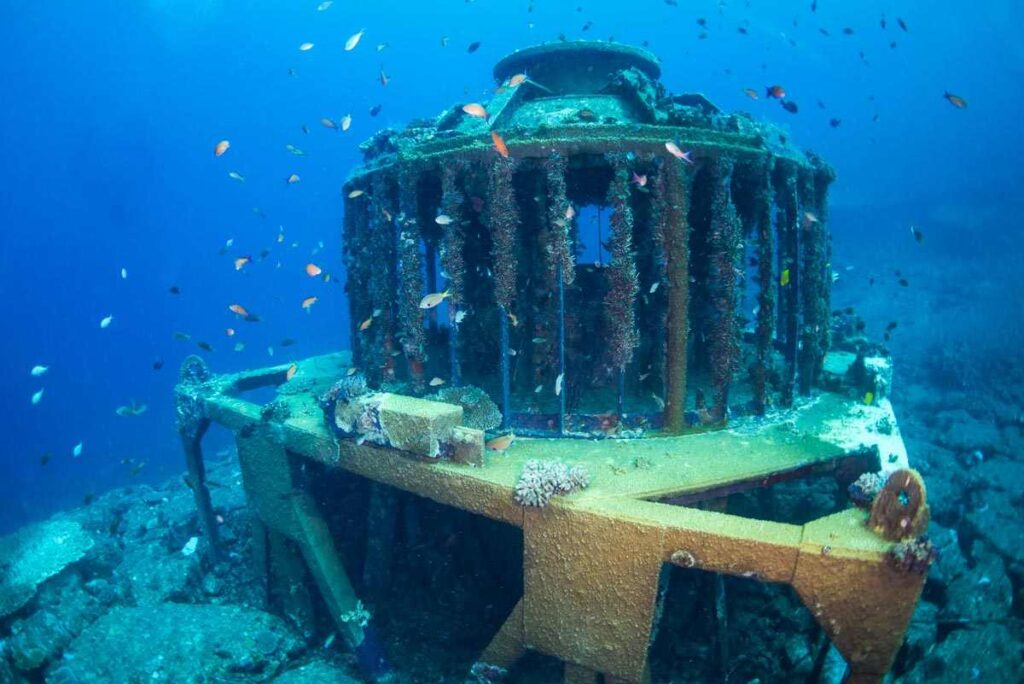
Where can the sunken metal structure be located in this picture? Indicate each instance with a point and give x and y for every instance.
(637, 366)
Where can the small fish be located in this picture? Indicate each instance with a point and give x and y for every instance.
(892, 326)
(473, 47)
(351, 371)
(356, 193)
(366, 324)
(305, 47)
(230, 332)
(460, 316)
(835, 123)
(433, 299)
(499, 144)
(77, 450)
(312, 270)
(183, 336)
(444, 41)
(308, 302)
(132, 409)
(106, 321)
(298, 152)
(475, 109)
(205, 346)
(221, 148)
(918, 235)
(381, 47)
(904, 282)
(775, 91)
(239, 346)
(238, 309)
(869, 398)
(570, 213)
(292, 179)
(955, 100)
(124, 274)
(234, 175)
(37, 397)
(288, 342)
(324, 6)
(436, 382)
(751, 93)
(558, 383)
(538, 340)
(241, 262)
(784, 279)
(790, 106)
(383, 78)
(375, 109)
(654, 287)
(174, 290)
(809, 219)
(903, 25)
(640, 179)
(353, 40)
(517, 80)
(674, 150)
(328, 123)
(290, 373)
(88, 499)
(501, 443)
(346, 122)
(45, 458)
(38, 370)
(443, 220)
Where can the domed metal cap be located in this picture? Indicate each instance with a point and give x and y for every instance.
(577, 67)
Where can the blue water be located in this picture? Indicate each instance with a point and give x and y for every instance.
(111, 111)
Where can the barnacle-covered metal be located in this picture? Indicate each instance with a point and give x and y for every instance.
(615, 348)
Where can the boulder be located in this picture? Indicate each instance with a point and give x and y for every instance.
(34, 554)
(178, 643)
(988, 653)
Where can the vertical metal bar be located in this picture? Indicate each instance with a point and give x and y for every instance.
(506, 388)
(561, 351)
(673, 189)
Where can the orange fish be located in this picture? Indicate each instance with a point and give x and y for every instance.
(241, 262)
(640, 179)
(499, 144)
(221, 148)
(476, 110)
(238, 309)
(517, 80)
(230, 332)
(775, 91)
(955, 100)
(312, 270)
(308, 302)
(366, 324)
(501, 443)
(290, 373)
(674, 150)
(751, 93)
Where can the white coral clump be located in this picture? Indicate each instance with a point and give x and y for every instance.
(541, 480)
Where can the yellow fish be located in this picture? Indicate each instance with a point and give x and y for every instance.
(501, 443)
(433, 299)
(869, 398)
(784, 280)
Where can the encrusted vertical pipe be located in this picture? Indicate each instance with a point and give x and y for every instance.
(671, 196)
(788, 226)
(764, 326)
(816, 284)
(353, 243)
(453, 259)
(380, 260)
(410, 273)
(725, 251)
(561, 261)
(623, 286)
(503, 220)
